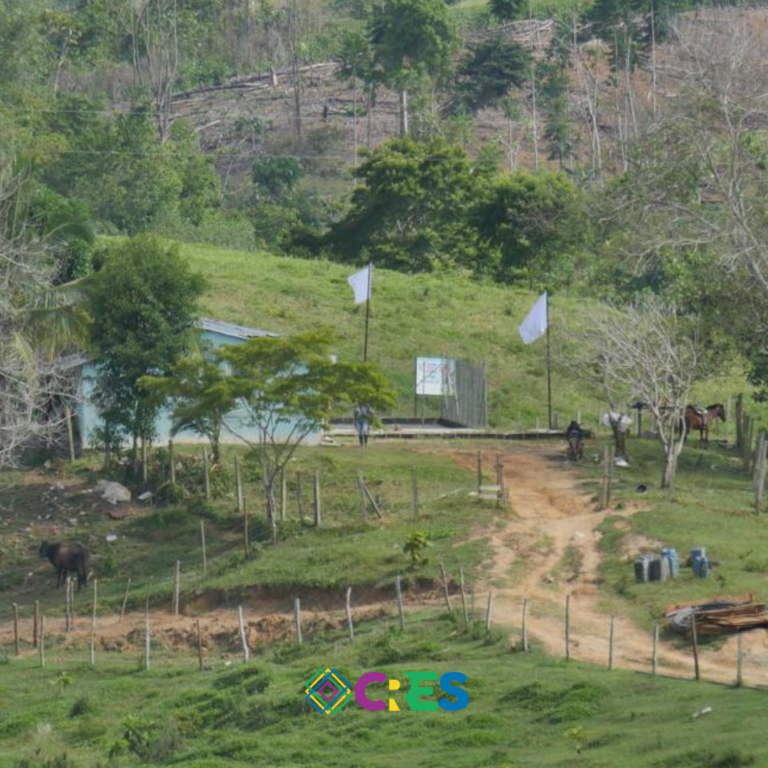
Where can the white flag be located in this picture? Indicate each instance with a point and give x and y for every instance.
(536, 323)
(361, 284)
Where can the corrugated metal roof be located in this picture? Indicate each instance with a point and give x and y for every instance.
(227, 329)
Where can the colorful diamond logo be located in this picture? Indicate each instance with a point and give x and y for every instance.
(328, 691)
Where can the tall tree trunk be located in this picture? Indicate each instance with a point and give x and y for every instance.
(297, 98)
(403, 113)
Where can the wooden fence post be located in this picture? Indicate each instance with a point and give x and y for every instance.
(67, 605)
(415, 493)
(299, 500)
(348, 608)
(171, 463)
(147, 640)
(199, 646)
(463, 596)
(72, 604)
(568, 628)
(654, 657)
(243, 636)
(246, 530)
(176, 588)
(739, 659)
(144, 460)
(283, 496)
(479, 471)
(488, 611)
(16, 647)
(611, 635)
(525, 625)
(297, 619)
(93, 623)
(206, 475)
(41, 644)
(695, 645)
(502, 495)
(70, 434)
(238, 486)
(202, 542)
(445, 589)
(399, 595)
(125, 601)
(36, 625)
(316, 498)
(363, 500)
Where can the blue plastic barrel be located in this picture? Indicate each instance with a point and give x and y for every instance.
(674, 564)
(697, 555)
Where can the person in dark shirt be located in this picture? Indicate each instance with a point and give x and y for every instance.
(574, 435)
(362, 415)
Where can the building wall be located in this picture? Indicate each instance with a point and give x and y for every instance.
(238, 420)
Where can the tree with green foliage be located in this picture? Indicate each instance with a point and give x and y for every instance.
(143, 302)
(538, 224)
(410, 39)
(409, 212)
(507, 10)
(488, 72)
(198, 389)
(290, 386)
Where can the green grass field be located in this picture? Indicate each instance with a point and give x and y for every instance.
(712, 506)
(344, 551)
(524, 710)
(430, 315)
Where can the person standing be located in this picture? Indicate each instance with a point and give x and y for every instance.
(362, 415)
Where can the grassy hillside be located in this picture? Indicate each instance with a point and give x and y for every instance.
(524, 710)
(411, 315)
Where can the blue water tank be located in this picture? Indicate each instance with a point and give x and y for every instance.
(697, 554)
(674, 564)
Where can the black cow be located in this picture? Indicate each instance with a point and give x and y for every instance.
(67, 558)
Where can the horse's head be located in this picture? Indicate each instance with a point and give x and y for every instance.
(717, 411)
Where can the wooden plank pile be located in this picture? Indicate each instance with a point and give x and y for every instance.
(718, 616)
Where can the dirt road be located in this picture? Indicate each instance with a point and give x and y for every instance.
(549, 549)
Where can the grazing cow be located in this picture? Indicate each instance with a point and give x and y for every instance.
(66, 559)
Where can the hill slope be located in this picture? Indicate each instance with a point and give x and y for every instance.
(431, 315)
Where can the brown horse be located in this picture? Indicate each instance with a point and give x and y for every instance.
(701, 421)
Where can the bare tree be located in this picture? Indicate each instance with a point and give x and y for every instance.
(645, 351)
(34, 330)
(700, 179)
(154, 34)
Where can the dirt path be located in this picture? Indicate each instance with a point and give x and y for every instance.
(549, 548)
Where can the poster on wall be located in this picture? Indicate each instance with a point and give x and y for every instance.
(435, 376)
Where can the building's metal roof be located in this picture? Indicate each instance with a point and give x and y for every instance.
(227, 329)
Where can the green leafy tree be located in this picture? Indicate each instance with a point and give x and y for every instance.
(144, 307)
(409, 213)
(290, 385)
(411, 38)
(488, 72)
(199, 391)
(507, 10)
(536, 221)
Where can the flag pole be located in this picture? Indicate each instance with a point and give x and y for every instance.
(367, 313)
(549, 369)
